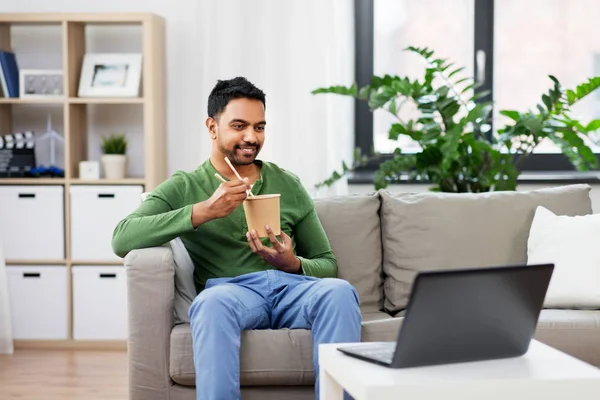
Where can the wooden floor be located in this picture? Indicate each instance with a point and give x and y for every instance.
(64, 375)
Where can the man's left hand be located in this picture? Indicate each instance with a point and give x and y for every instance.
(280, 256)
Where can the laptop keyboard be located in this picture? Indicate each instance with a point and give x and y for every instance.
(379, 351)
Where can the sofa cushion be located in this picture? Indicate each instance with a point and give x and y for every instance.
(571, 244)
(384, 329)
(284, 357)
(267, 357)
(575, 332)
(425, 231)
(272, 357)
(353, 228)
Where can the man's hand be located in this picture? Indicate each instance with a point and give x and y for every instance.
(228, 196)
(280, 256)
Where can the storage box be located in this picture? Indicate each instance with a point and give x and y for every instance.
(99, 303)
(38, 298)
(32, 222)
(95, 213)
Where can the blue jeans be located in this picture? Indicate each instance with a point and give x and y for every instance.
(264, 300)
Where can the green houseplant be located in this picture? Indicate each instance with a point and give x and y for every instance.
(459, 151)
(114, 159)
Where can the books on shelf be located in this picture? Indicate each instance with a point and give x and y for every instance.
(9, 74)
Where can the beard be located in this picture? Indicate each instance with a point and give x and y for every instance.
(241, 154)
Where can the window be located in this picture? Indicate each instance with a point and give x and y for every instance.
(523, 43)
(445, 26)
(554, 37)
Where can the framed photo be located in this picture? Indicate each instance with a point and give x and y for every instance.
(41, 83)
(110, 75)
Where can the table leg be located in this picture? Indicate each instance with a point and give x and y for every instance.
(329, 389)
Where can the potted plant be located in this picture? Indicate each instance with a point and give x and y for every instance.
(459, 151)
(114, 159)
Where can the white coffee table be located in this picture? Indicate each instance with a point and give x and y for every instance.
(543, 373)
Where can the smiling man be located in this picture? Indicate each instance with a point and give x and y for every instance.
(244, 282)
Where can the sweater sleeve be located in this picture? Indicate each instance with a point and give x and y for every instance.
(313, 248)
(158, 220)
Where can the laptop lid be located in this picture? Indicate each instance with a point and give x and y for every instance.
(471, 314)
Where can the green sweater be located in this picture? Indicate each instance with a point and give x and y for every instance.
(219, 248)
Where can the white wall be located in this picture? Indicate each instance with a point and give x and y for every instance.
(185, 118)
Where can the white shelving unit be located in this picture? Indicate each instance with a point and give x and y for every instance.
(57, 230)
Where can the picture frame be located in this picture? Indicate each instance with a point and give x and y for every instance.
(110, 75)
(41, 83)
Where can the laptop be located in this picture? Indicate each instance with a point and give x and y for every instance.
(464, 315)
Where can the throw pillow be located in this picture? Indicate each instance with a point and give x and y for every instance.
(185, 290)
(571, 243)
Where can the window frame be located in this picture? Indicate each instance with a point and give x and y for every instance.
(483, 41)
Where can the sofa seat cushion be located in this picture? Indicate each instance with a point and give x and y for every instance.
(267, 357)
(575, 332)
(425, 231)
(384, 329)
(272, 357)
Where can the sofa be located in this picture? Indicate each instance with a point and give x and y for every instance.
(381, 240)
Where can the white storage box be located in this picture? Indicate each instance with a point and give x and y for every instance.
(95, 212)
(99, 303)
(38, 298)
(32, 222)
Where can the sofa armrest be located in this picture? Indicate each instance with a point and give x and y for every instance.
(150, 293)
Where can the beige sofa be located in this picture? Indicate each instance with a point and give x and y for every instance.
(380, 242)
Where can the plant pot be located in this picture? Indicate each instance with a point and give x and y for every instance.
(114, 166)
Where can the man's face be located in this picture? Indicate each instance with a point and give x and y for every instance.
(240, 130)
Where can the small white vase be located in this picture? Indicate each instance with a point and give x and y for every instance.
(114, 166)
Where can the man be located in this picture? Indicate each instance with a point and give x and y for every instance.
(244, 282)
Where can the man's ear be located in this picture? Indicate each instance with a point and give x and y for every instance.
(211, 124)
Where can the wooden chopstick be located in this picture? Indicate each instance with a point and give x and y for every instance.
(220, 177)
(238, 175)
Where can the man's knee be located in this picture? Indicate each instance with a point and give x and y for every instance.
(339, 290)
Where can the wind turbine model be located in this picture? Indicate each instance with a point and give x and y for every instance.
(53, 136)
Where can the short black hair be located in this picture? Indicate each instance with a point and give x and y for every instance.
(227, 90)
